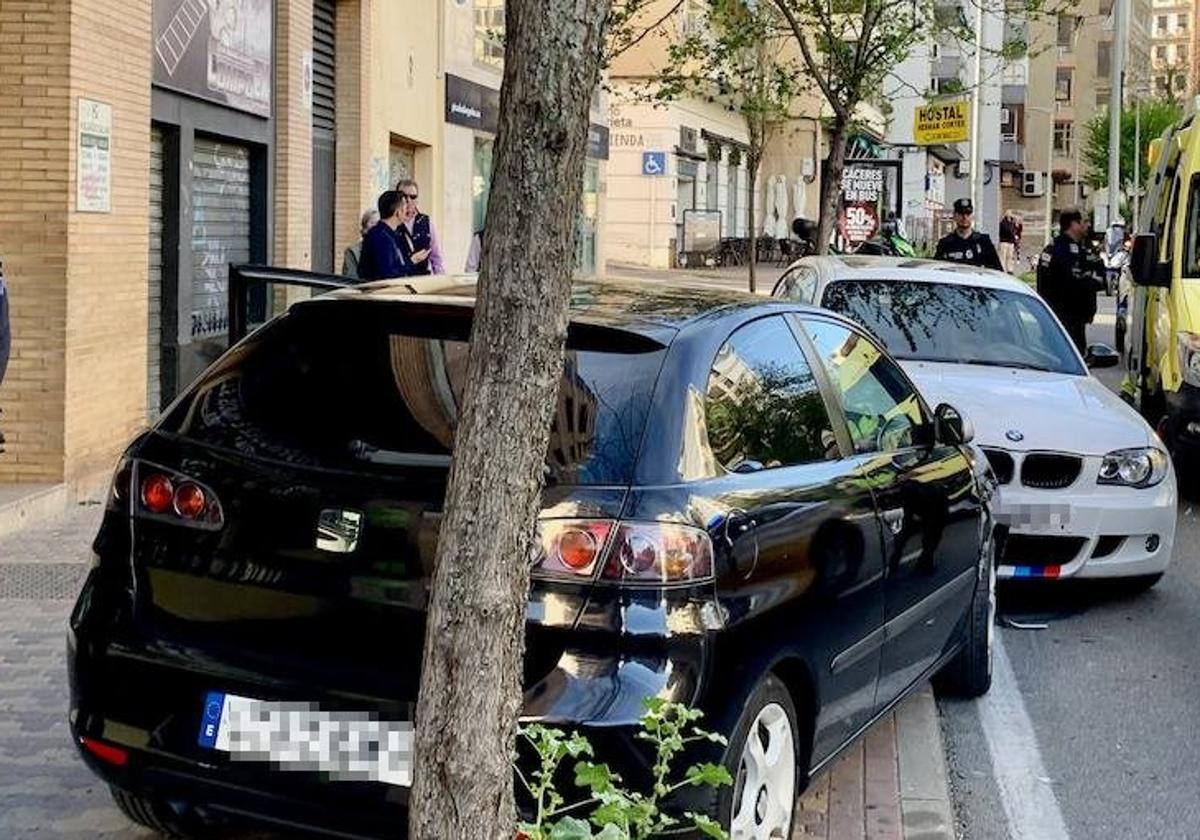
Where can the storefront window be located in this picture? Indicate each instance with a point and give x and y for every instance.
(489, 32)
(481, 182)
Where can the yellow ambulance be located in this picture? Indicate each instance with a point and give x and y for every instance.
(1163, 354)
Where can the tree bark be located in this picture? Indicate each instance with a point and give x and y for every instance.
(470, 679)
(831, 184)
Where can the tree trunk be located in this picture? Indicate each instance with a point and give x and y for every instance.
(831, 184)
(751, 171)
(470, 674)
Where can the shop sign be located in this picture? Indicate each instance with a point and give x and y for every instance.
(597, 144)
(862, 183)
(219, 51)
(471, 105)
(943, 122)
(93, 193)
(858, 221)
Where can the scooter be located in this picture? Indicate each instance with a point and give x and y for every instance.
(1114, 264)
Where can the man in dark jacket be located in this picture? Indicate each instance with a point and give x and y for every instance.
(381, 259)
(1068, 277)
(964, 244)
(415, 236)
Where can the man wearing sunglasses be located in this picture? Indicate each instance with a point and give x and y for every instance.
(415, 235)
(964, 244)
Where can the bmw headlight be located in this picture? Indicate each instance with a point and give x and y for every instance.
(1141, 467)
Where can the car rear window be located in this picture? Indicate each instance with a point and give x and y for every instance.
(355, 388)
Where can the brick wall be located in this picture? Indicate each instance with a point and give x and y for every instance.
(107, 277)
(34, 165)
(293, 136)
(355, 192)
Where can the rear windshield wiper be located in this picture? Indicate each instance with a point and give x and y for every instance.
(364, 451)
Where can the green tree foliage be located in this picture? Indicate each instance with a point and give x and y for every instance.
(1156, 116)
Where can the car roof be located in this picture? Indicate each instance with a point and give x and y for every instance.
(912, 269)
(647, 308)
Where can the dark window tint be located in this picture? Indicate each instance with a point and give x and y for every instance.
(944, 322)
(763, 405)
(882, 409)
(351, 387)
(1191, 237)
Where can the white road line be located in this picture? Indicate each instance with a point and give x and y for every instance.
(1025, 790)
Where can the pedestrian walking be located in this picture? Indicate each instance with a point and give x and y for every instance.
(416, 237)
(1068, 278)
(1008, 242)
(352, 254)
(964, 244)
(381, 258)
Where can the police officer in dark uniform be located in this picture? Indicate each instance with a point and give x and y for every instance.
(1068, 277)
(964, 244)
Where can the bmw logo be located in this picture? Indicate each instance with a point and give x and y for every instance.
(1014, 436)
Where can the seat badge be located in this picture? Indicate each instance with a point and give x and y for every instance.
(338, 530)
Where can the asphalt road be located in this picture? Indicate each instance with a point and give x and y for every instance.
(1092, 729)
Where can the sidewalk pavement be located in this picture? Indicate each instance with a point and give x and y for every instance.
(891, 785)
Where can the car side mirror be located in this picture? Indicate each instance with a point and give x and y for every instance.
(1101, 356)
(1144, 265)
(951, 427)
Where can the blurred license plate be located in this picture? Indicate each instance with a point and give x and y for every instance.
(346, 746)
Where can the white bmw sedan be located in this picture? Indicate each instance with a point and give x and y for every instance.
(1086, 487)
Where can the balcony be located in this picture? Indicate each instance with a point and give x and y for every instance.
(1012, 95)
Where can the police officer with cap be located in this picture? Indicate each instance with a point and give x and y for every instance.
(1068, 277)
(965, 244)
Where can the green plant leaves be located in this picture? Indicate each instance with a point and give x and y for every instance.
(615, 812)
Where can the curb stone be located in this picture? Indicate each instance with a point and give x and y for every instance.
(927, 812)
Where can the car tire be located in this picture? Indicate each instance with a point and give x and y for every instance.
(159, 817)
(969, 673)
(763, 757)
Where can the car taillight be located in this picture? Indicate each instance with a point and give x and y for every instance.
(571, 546)
(157, 493)
(659, 552)
(122, 487)
(634, 552)
(167, 496)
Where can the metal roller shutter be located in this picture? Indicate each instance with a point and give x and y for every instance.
(154, 326)
(220, 229)
(324, 128)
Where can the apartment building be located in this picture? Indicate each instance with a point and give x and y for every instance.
(1050, 95)
(1173, 41)
(942, 71)
(147, 144)
(686, 158)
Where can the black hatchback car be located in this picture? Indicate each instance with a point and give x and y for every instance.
(748, 508)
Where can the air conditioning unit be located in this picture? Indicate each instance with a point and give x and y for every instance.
(1033, 183)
